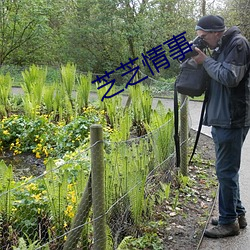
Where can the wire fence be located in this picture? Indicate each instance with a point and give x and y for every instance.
(55, 210)
(95, 199)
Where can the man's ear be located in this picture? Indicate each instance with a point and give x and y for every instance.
(219, 34)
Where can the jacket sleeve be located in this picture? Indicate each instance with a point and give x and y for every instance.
(234, 66)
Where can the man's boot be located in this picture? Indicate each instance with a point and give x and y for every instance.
(221, 230)
(241, 219)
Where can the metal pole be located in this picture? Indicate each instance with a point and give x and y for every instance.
(184, 135)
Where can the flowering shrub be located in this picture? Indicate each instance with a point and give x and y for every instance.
(30, 204)
(44, 137)
(45, 205)
(35, 204)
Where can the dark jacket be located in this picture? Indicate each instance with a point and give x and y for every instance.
(228, 103)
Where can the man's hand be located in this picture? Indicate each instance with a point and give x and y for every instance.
(200, 58)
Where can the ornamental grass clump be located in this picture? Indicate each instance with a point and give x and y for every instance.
(160, 131)
(5, 91)
(126, 173)
(83, 91)
(141, 106)
(34, 80)
(68, 75)
(6, 184)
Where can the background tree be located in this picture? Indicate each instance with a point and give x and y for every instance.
(31, 31)
(21, 25)
(237, 13)
(97, 35)
(105, 33)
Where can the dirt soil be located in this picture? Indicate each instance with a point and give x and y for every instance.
(187, 222)
(25, 164)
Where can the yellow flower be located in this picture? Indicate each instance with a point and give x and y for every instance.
(69, 211)
(37, 196)
(31, 187)
(6, 132)
(45, 151)
(16, 152)
(14, 209)
(73, 199)
(38, 155)
(26, 178)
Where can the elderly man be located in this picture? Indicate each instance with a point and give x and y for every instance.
(228, 112)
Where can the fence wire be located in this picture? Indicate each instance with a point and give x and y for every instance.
(43, 210)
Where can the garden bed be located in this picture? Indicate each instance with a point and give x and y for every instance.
(181, 215)
(176, 225)
(178, 222)
(150, 205)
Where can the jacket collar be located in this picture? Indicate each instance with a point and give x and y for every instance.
(231, 32)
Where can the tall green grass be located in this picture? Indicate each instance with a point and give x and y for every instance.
(5, 90)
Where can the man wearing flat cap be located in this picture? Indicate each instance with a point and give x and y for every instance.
(228, 112)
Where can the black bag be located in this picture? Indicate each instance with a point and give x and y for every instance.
(192, 80)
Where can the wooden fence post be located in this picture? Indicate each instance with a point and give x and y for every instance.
(98, 195)
(80, 218)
